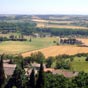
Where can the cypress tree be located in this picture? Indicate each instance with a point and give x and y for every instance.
(22, 65)
(30, 40)
(41, 79)
(16, 79)
(86, 59)
(2, 74)
(32, 79)
(9, 83)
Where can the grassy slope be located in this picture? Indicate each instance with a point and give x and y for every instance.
(16, 47)
(79, 64)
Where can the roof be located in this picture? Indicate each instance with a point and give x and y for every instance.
(9, 69)
(37, 65)
(6, 61)
(9, 65)
(48, 69)
(65, 73)
(28, 71)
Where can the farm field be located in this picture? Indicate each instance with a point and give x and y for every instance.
(59, 50)
(57, 24)
(52, 21)
(44, 45)
(84, 40)
(42, 25)
(17, 47)
(79, 64)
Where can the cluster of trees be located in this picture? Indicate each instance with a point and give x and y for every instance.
(38, 57)
(70, 41)
(63, 64)
(7, 26)
(59, 62)
(3, 39)
(16, 38)
(23, 27)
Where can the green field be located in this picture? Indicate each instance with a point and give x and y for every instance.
(17, 47)
(79, 64)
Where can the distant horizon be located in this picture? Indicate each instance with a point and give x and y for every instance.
(50, 14)
(71, 7)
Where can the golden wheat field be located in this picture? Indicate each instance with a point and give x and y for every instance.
(84, 40)
(59, 50)
(52, 21)
(42, 25)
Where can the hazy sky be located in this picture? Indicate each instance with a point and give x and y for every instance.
(44, 7)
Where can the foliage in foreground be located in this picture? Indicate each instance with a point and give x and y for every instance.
(42, 79)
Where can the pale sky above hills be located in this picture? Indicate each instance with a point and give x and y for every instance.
(44, 7)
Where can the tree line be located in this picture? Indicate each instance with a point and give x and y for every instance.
(27, 28)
